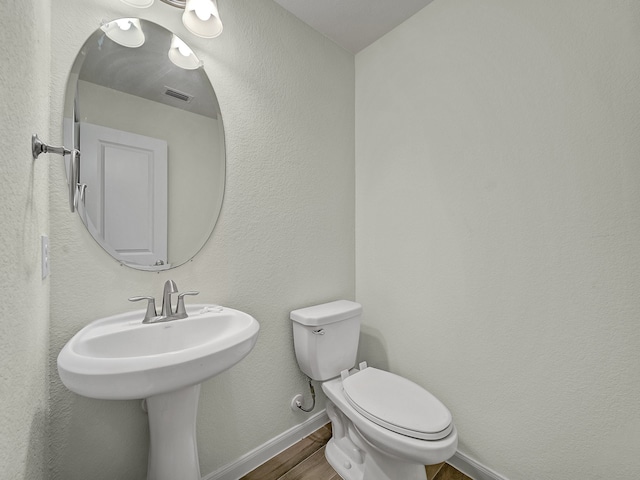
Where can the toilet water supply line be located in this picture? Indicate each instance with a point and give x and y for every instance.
(313, 398)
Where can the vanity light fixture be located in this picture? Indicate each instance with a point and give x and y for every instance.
(125, 31)
(200, 17)
(182, 56)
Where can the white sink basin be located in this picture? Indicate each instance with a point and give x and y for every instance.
(120, 358)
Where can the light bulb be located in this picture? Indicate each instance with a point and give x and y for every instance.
(124, 24)
(182, 55)
(201, 17)
(125, 31)
(203, 11)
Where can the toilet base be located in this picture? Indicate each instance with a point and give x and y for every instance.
(341, 463)
(353, 458)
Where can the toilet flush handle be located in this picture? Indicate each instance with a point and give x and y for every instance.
(319, 331)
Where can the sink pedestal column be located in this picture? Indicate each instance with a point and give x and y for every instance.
(173, 452)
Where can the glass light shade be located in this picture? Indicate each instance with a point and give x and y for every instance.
(182, 56)
(125, 31)
(138, 3)
(201, 18)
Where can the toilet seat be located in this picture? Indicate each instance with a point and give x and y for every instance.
(397, 404)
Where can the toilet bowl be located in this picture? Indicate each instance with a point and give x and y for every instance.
(384, 426)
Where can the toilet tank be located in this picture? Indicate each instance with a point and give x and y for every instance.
(326, 338)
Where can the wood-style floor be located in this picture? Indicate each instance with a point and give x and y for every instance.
(305, 461)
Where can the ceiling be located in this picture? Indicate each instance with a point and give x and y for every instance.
(353, 24)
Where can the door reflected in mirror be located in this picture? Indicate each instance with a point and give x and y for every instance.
(152, 147)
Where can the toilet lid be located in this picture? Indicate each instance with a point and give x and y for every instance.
(398, 404)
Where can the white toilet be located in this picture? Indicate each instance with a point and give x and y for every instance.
(385, 427)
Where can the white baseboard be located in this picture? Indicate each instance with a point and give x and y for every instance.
(472, 468)
(273, 447)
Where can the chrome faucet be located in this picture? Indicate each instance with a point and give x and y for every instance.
(169, 288)
(167, 314)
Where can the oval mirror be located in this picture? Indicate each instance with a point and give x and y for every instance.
(142, 111)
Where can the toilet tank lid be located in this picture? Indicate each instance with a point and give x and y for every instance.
(326, 313)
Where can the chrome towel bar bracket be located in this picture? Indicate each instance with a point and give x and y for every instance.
(38, 147)
(76, 190)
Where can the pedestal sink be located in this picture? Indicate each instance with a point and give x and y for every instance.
(120, 358)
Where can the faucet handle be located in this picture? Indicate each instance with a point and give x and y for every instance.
(151, 307)
(180, 308)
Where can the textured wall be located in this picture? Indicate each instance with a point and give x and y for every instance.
(285, 238)
(24, 311)
(498, 259)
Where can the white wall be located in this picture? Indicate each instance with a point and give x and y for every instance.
(285, 238)
(24, 315)
(498, 235)
(497, 194)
